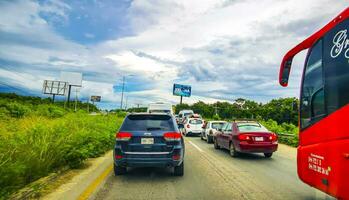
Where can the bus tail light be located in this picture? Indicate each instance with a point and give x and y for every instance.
(123, 136)
(243, 137)
(172, 136)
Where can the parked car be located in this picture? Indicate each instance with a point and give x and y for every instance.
(247, 137)
(160, 107)
(149, 140)
(210, 128)
(193, 126)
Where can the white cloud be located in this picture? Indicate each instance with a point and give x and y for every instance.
(224, 49)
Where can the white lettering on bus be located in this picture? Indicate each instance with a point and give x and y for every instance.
(340, 44)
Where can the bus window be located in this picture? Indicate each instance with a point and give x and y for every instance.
(336, 66)
(312, 88)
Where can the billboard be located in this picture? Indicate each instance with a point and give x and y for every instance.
(55, 87)
(95, 98)
(73, 78)
(181, 90)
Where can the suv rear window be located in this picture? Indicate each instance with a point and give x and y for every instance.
(148, 123)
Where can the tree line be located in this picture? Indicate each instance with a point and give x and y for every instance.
(282, 110)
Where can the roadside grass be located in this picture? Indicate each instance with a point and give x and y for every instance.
(32, 147)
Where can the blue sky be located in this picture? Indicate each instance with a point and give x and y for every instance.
(225, 49)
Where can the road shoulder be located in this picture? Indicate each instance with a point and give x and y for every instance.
(86, 182)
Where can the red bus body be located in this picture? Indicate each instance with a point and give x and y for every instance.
(323, 151)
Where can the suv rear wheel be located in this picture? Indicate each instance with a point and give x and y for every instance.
(119, 170)
(179, 170)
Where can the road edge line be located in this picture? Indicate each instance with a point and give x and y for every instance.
(93, 186)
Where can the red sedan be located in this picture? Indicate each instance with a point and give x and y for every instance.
(246, 137)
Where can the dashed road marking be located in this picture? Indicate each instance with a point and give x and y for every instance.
(198, 148)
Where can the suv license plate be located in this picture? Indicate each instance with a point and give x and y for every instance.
(258, 139)
(147, 140)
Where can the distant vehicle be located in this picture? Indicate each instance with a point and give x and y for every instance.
(195, 115)
(149, 140)
(193, 126)
(160, 108)
(323, 151)
(246, 137)
(210, 128)
(183, 114)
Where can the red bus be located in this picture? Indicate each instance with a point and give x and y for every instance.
(323, 151)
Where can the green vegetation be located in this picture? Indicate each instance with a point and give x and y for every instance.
(38, 137)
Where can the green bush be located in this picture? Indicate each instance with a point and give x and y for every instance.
(291, 130)
(17, 110)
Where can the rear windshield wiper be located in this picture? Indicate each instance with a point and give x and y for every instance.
(153, 128)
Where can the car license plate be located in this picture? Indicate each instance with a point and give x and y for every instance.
(258, 139)
(147, 140)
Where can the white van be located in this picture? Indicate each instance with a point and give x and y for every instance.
(160, 108)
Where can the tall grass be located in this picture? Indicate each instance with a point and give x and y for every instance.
(33, 146)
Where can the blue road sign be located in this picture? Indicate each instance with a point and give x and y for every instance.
(181, 90)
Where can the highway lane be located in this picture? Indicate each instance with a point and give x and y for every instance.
(213, 174)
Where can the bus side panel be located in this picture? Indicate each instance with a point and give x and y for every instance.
(313, 165)
(325, 165)
(338, 151)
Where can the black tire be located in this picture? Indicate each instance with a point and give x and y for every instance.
(232, 151)
(209, 139)
(215, 144)
(179, 170)
(268, 155)
(119, 170)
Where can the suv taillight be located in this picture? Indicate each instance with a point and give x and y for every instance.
(123, 136)
(172, 136)
(243, 137)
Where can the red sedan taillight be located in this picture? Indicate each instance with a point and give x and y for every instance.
(243, 137)
(273, 137)
(123, 136)
(172, 136)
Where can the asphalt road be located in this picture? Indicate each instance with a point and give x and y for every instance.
(213, 174)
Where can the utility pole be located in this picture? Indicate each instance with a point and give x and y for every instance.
(122, 92)
(181, 100)
(126, 103)
(69, 90)
(76, 98)
(88, 106)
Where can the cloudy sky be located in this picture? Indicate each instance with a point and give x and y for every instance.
(224, 49)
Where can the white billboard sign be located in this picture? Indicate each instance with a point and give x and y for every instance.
(73, 78)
